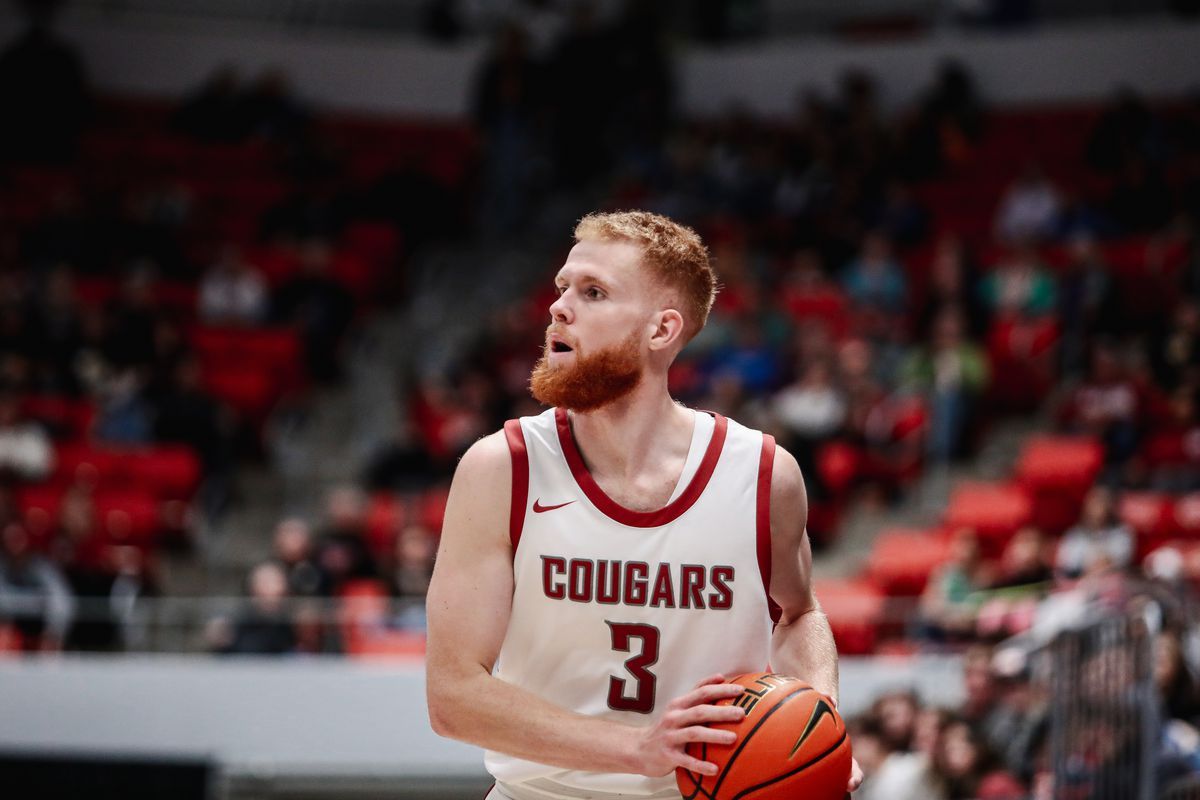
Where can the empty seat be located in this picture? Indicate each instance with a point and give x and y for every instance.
(901, 559)
(855, 610)
(993, 510)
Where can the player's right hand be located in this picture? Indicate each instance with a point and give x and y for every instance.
(662, 748)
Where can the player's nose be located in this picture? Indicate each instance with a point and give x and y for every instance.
(560, 309)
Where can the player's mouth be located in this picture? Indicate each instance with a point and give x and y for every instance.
(558, 348)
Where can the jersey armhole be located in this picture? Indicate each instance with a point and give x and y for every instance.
(766, 463)
(520, 480)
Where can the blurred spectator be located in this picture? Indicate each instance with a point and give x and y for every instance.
(953, 283)
(893, 774)
(186, 413)
(1106, 405)
(341, 551)
(271, 110)
(899, 216)
(811, 411)
(293, 549)
(263, 626)
(232, 292)
(580, 74)
(124, 416)
(1127, 129)
(412, 565)
(1140, 201)
(1030, 209)
(57, 334)
(43, 91)
(25, 450)
(896, 713)
(1019, 286)
(1087, 303)
(874, 281)
(131, 320)
(320, 306)
(400, 464)
(213, 112)
(1099, 541)
(442, 21)
(1175, 351)
(1175, 678)
(968, 769)
(34, 596)
(952, 373)
(950, 601)
(508, 109)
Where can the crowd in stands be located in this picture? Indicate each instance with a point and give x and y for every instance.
(170, 278)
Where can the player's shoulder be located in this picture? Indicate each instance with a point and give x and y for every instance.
(787, 482)
(486, 455)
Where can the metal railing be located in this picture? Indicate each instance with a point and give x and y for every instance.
(1103, 707)
(753, 18)
(210, 624)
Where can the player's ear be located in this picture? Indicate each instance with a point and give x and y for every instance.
(668, 329)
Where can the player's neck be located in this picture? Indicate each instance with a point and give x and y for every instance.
(623, 438)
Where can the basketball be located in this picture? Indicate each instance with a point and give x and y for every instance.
(791, 744)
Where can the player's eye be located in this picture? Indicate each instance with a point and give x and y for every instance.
(594, 293)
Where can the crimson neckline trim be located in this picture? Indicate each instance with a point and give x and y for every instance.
(640, 519)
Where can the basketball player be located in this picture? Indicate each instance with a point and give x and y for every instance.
(604, 566)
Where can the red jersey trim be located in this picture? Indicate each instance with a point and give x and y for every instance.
(766, 463)
(520, 480)
(640, 519)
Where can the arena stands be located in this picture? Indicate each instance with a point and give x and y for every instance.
(894, 286)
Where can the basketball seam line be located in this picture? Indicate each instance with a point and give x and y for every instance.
(751, 732)
(798, 769)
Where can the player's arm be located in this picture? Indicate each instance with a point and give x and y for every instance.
(469, 602)
(802, 644)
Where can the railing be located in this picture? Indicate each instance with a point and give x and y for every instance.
(209, 624)
(1103, 707)
(749, 18)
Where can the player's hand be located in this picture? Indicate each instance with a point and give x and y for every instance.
(856, 777)
(662, 748)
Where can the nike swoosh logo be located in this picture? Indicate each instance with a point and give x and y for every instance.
(821, 709)
(538, 508)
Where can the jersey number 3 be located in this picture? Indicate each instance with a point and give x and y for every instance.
(641, 698)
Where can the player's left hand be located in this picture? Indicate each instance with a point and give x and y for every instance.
(856, 777)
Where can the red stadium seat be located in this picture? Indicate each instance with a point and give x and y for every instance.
(128, 517)
(386, 515)
(901, 560)
(1060, 463)
(838, 465)
(1185, 515)
(855, 610)
(65, 418)
(1058, 471)
(432, 508)
(86, 463)
(993, 510)
(1149, 514)
(247, 390)
(39, 506)
(169, 471)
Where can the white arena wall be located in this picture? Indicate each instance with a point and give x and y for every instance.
(395, 75)
(295, 719)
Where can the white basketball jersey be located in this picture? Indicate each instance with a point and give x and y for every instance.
(617, 612)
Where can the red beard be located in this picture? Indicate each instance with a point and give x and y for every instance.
(595, 380)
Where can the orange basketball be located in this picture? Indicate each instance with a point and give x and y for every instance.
(791, 744)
